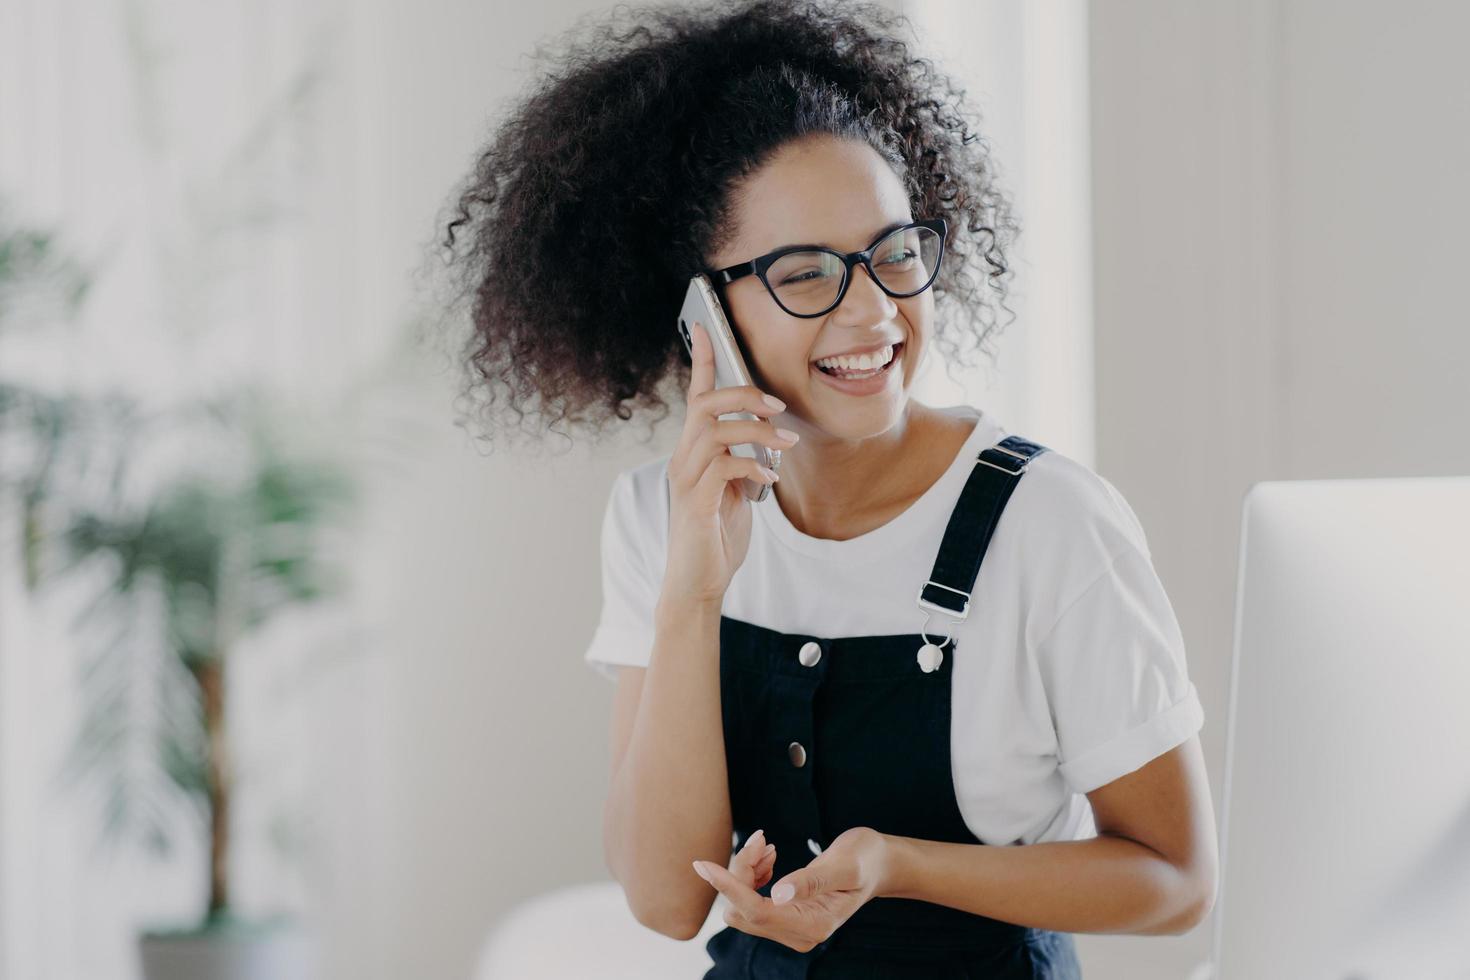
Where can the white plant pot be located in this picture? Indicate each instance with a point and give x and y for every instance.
(263, 952)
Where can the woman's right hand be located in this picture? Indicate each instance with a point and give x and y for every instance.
(709, 516)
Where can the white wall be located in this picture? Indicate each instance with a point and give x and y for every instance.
(1279, 202)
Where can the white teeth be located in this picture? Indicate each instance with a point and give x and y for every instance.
(864, 362)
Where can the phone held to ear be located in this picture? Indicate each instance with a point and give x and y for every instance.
(703, 307)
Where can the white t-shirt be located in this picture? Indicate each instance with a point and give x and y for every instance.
(1068, 673)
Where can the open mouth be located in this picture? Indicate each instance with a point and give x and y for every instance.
(846, 376)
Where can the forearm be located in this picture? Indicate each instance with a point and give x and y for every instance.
(1106, 884)
(668, 803)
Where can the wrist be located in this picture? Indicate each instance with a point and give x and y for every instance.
(894, 866)
(673, 607)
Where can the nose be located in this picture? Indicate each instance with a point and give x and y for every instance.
(865, 299)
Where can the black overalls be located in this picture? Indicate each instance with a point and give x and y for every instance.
(827, 733)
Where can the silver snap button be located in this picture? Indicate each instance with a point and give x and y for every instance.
(797, 753)
(813, 846)
(811, 652)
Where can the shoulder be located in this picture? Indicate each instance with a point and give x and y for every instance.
(642, 491)
(1062, 507)
(647, 483)
(1069, 533)
(1064, 503)
(638, 509)
(1066, 528)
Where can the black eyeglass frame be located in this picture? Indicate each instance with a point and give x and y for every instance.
(758, 266)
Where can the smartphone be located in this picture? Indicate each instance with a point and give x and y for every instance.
(702, 306)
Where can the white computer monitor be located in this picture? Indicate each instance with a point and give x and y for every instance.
(1345, 817)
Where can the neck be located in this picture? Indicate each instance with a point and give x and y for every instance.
(838, 488)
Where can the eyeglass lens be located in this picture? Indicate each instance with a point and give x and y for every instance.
(809, 282)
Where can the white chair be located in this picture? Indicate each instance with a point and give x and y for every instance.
(587, 930)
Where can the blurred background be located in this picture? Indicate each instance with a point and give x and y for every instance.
(228, 435)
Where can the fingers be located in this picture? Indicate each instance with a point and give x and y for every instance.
(754, 847)
(705, 399)
(702, 357)
(743, 898)
(710, 487)
(711, 446)
(818, 876)
(711, 405)
(705, 461)
(764, 868)
(764, 865)
(703, 464)
(730, 432)
(755, 861)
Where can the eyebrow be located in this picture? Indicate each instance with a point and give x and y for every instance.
(890, 227)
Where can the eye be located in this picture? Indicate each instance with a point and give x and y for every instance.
(807, 276)
(804, 268)
(900, 258)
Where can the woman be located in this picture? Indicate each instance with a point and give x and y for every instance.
(931, 686)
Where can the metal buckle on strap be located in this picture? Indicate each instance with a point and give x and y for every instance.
(942, 610)
(1015, 469)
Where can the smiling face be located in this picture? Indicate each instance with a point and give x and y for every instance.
(842, 194)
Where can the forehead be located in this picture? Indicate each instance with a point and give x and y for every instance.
(821, 191)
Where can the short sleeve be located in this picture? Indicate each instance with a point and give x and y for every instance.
(1116, 680)
(624, 633)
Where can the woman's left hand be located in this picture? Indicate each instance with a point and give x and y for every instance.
(823, 895)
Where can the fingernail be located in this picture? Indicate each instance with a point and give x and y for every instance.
(787, 434)
(699, 870)
(782, 893)
(775, 402)
(771, 474)
(750, 841)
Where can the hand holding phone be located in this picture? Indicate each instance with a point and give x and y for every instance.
(709, 517)
(703, 307)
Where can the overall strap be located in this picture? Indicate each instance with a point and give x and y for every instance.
(997, 470)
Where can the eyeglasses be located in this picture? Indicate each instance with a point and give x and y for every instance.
(810, 280)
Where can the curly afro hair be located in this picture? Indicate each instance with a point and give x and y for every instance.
(602, 192)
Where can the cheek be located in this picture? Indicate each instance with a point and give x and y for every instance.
(918, 314)
(776, 346)
(771, 355)
(919, 311)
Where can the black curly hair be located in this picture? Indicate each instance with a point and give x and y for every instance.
(606, 188)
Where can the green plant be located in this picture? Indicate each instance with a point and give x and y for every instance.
(184, 569)
(39, 285)
(220, 555)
